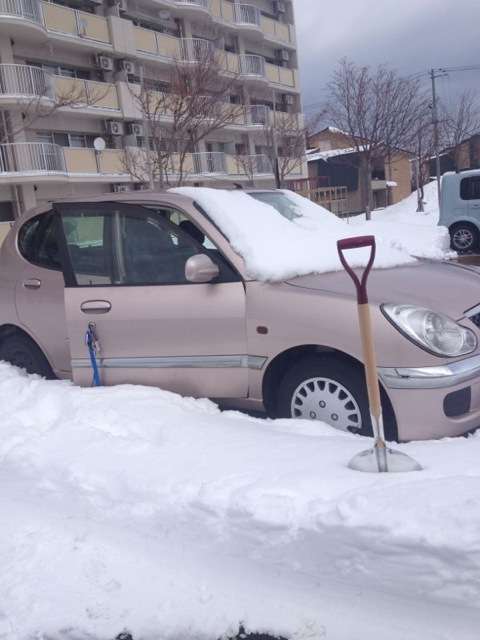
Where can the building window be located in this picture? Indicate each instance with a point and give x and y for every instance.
(75, 140)
(58, 70)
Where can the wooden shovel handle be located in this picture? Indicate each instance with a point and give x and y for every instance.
(366, 330)
(370, 361)
(357, 243)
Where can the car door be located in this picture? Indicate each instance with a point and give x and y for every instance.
(39, 290)
(125, 272)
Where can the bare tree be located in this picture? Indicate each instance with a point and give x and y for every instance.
(177, 120)
(377, 109)
(285, 145)
(283, 140)
(459, 123)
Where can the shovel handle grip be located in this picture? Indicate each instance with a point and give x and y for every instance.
(358, 242)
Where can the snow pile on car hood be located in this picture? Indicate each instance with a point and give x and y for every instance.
(133, 508)
(275, 248)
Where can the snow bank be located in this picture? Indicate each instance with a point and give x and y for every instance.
(132, 508)
(275, 248)
(425, 238)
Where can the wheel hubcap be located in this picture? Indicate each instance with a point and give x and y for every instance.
(463, 239)
(329, 401)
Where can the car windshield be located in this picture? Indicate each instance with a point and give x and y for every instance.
(278, 201)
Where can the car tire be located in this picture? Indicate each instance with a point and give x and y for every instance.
(464, 237)
(22, 352)
(333, 390)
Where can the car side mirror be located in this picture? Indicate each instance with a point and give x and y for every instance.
(200, 269)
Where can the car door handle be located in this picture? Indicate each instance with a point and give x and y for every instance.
(32, 283)
(96, 306)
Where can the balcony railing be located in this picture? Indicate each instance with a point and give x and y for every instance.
(28, 9)
(72, 22)
(45, 158)
(31, 157)
(246, 14)
(258, 115)
(21, 80)
(88, 93)
(196, 49)
(252, 65)
(209, 162)
(204, 4)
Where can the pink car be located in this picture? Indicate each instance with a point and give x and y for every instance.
(172, 306)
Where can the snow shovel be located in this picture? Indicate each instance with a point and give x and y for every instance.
(380, 459)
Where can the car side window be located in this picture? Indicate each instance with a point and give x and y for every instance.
(470, 188)
(38, 242)
(89, 248)
(126, 245)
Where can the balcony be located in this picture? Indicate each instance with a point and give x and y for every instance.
(89, 28)
(209, 163)
(171, 48)
(249, 17)
(249, 165)
(193, 7)
(22, 161)
(90, 95)
(21, 17)
(195, 49)
(252, 66)
(20, 83)
(277, 31)
(282, 76)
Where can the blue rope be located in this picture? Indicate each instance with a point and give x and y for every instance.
(91, 342)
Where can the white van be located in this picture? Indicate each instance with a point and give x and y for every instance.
(460, 209)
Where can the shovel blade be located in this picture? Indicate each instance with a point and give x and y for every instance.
(378, 460)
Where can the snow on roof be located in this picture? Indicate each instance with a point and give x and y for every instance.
(330, 153)
(133, 509)
(275, 248)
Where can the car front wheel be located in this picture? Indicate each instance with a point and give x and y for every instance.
(331, 390)
(24, 353)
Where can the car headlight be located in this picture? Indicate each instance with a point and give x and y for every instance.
(432, 331)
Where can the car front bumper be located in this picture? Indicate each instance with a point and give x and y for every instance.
(435, 402)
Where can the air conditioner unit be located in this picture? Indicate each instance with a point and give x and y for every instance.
(283, 54)
(120, 188)
(128, 66)
(114, 128)
(105, 63)
(135, 129)
(287, 98)
(280, 6)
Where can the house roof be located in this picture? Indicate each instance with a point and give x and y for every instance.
(316, 154)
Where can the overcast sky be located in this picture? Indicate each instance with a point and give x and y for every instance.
(411, 35)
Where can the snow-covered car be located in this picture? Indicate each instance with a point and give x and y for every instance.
(177, 299)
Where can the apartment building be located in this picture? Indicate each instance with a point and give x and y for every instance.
(102, 48)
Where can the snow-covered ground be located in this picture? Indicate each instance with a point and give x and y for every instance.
(275, 248)
(132, 508)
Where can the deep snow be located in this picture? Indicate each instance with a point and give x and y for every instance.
(133, 508)
(275, 248)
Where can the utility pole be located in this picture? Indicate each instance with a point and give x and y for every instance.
(434, 74)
